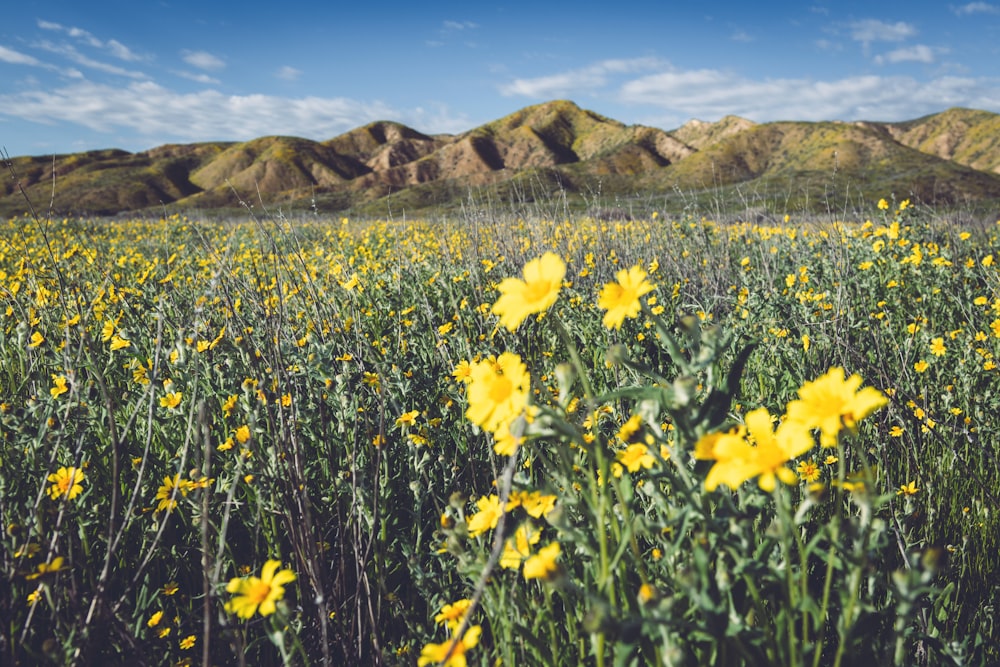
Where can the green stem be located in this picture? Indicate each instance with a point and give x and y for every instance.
(787, 527)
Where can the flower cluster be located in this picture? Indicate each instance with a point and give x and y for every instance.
(831, 404)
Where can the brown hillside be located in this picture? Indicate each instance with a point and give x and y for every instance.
(698, 133)
(106, 182)
(544, 149)
(275, 164)
(966, 136)
(867, 156)
(383, 145)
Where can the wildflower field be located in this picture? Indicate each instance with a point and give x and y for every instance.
(486, 441)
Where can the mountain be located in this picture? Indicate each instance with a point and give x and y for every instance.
(548, 150)
(697, 133)
(966, 136)
(865, 155)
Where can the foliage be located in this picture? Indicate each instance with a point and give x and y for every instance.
(186, 404)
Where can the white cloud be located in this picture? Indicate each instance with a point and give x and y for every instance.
(202, 60)
(17, 58)
(152, 110)
(713, 94)
(583, 80)
(199, 78)
(113, 46)
(872, 30)
(119, 50)
(69, 51)
(288, 73)
(741, 36)
(976, 8)
(919, 53)
(460, 25)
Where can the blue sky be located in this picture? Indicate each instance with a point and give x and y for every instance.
(134, 75)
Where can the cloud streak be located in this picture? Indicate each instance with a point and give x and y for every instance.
(152, 110)
(70, 52)
(713, 94)
(679, 94)
(976, 8)
(203, 60)
(577, 81)
(112, 46)
(868, 31)
(918, 53)
(13, 57)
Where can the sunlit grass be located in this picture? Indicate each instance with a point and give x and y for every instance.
(349, 404)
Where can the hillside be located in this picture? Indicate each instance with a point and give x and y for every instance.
(867, 156)
(540, 151)
(966, 136)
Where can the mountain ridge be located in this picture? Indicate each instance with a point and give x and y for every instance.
(946, 157)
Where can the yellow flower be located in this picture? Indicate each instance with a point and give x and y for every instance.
(831, 403)
(883, 205)
(487, 517)
(154, 620)
(462, 372)
(187, 642)
(46, 568)
(117, 342)
(453, 614)
(505, 442)
(543, 564)
(937, 347)
(450, 653)
(254, 594)
(166, 494)
(921, 366)
(171, 400)
(58, 386)
(630, 428)
(408, 418)
(808, 471)
(229, 404)
(909, 489)
(352, 283)
(243, 434)
(36, 340)
(66, 483)
(635, 457)
(736, 460)
(533, 502)
(518, 547)
(543, 278)
(621, 298)
(498, 391)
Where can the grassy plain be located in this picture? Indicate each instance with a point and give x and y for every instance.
(182, 401)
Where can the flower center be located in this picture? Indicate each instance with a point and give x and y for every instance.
(258, 591)
(500, 390)
(538, 290)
